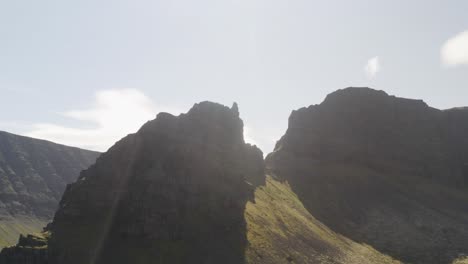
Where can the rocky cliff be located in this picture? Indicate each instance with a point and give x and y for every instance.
(186, 189)
(174, 192)
(362, 178)
(33, 176)
(381, 170)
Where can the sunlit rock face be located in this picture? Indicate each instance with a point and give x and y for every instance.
(33, 176)
(174, 192)
(382, 170)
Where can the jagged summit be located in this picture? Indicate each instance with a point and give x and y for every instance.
(207, 119)
(363, 177)
(174, 192)
(235, 108)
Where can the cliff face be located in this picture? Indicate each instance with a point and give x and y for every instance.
(186, 189)
(362, 178)
(174, 192)
(33, 176)
(381, 170)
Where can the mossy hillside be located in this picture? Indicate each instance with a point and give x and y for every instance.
(32, 248)
(35, 240)
(281, 230)
(11, 229)
(461, 260)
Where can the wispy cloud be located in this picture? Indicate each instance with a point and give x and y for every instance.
(114, 114)
(248, 137)
(372, 67)
(454, 51)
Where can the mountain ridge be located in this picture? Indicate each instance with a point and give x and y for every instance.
(386, 171)
(33, 174)
(363, 177)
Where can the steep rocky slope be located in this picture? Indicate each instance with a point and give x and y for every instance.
(281, 230)
(381, 170)
(185, 189)
(33, 176)
(278, 230)
(363, 177)
(174, 192)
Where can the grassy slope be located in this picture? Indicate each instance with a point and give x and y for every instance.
(33, 175)
(281, 230)
(11, 228)
(405, 216)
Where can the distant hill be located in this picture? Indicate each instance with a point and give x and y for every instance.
(362, 178)
(33, 176)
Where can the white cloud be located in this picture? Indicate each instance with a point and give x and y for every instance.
(248, 138)
(114, 114)
(372, 67)
(455, 50)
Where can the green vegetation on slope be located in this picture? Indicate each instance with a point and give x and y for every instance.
(463, 260)
(10, 229)
(281, 230)
(33, 176)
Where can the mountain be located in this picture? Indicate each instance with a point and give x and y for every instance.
(174, 192)
(185, 189)
(33, 176)
(362, 178)
(384, 171)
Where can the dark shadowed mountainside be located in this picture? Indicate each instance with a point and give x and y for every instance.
(362, 178)
(185, 189)
(174, 192)
(33, 176)
(381, 170)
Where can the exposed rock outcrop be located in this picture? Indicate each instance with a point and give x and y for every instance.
(174, 192)
(363, 177)
(31, 249)
(386, 171)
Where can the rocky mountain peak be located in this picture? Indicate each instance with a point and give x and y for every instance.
(379, 168)
(363, 177)
(208, 120)
(355, 94)
(175, 191)
(366, 98)
(361, 102)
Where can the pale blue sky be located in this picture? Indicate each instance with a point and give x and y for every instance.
(64, 63)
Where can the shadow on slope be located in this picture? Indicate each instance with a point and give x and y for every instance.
(386, 171)
(424, 224)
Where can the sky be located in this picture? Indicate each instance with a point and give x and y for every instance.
(86, 73)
